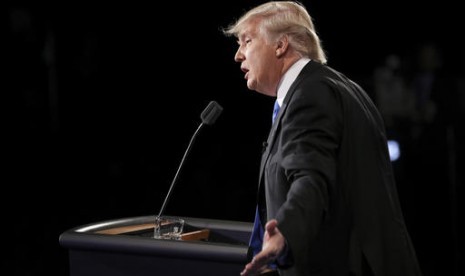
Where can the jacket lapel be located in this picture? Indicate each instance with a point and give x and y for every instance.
(311, 66)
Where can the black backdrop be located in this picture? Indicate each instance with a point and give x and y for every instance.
(103, 98)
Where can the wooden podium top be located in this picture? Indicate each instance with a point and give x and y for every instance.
(195, 235)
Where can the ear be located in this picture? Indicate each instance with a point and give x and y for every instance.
(282, 45)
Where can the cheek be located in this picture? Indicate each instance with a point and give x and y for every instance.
(261, 64)
(256, 62)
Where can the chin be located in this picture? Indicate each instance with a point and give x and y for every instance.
(251, 85)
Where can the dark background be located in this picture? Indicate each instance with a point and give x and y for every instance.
(101, 100)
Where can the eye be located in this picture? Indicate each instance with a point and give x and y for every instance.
(247, 41)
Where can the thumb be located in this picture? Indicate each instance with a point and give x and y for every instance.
(271, 225)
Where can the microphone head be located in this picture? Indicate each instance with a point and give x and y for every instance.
(211, 113)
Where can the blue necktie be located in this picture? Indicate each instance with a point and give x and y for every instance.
(275, 110)
(256, 239)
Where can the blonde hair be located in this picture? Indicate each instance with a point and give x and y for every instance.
(277, 18)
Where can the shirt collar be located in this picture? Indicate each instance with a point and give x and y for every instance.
(289, 77)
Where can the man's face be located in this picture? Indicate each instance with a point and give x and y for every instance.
(258, 59)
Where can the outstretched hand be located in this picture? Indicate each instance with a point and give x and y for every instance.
(273, 245)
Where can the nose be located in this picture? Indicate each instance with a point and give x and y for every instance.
(239, 57)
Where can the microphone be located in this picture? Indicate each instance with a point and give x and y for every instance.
(211, 113)
(208, 116)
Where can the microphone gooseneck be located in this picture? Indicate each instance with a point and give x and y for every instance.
(208, 116)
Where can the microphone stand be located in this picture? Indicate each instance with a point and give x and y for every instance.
(208, 116)
(179, 170)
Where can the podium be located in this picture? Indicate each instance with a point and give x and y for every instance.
(126, 247)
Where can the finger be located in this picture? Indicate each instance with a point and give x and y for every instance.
(250, 269)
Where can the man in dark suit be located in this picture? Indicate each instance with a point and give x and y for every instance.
(327, 200)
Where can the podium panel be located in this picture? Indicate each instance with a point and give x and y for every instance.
(126, 247)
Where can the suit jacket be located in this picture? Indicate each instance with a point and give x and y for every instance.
(326, 177)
